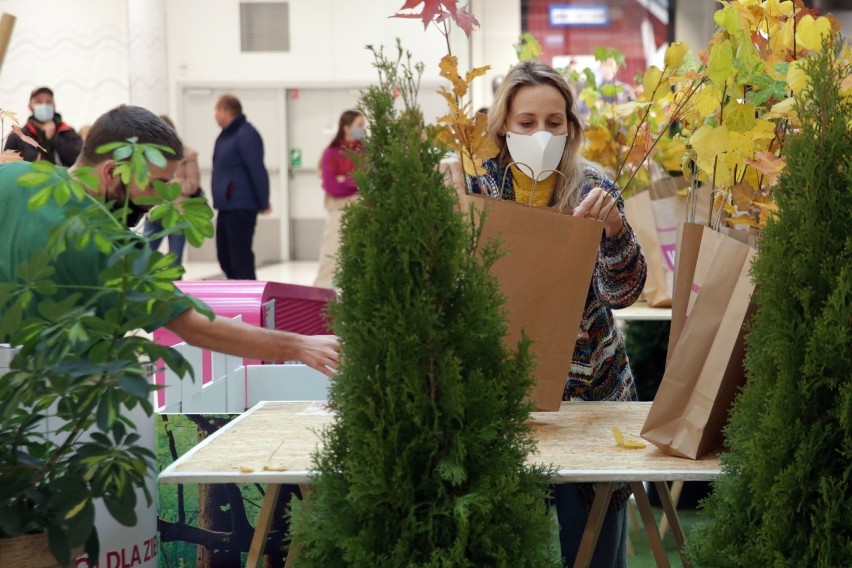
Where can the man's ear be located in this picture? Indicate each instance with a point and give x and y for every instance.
(108, 180)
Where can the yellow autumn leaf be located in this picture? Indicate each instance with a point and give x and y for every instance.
(783, 109)
(751, 177)
(449, 70)
(670, 153)
(767, 210)
(633, 108)
(654, 88)
(246, 469)
(739, 117)
(727, 18)
(742, 196)
(475, 72)
(720, 67)
(621, 442)
(797, 79)
(811, 31)
(777, 8)
(741, 145)
(769, 165)
(707, 101)
(709, 142)
(675, 54)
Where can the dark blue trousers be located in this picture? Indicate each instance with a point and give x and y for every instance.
(234, 236)
(611, 550)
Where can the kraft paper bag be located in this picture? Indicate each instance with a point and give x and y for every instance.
(705, 371)
(659, 280)
(688, 244)
(545, 276)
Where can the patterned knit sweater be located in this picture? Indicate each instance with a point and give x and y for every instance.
(599, 368)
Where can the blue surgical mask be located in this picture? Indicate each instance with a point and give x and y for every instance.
(358, 132)
(43, 112)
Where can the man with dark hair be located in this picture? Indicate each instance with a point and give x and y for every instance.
(59, 142)
(240, 188)
(23, 233)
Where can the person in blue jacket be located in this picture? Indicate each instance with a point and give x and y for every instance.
(240, 188)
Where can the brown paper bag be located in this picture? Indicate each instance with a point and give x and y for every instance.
(688, 243)
(658, 281)
(545, 276)
(706, 367)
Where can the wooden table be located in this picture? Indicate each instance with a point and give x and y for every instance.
(272, 443)
(641, 311)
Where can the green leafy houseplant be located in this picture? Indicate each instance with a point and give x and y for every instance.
(425, 462)
(80, 362)
(784, 498)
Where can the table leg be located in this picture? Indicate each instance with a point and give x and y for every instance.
(677, 487)
(668, 503)
(603, 494)
(293, 549)
(264, 522)
(650, 524)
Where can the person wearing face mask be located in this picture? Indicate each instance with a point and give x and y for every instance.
(59, 142)
(340, 189)
(535, 126)
(23, 233)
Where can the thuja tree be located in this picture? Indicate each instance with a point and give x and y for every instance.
(425, 462)
(785, 498)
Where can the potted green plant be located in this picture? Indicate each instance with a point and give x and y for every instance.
(82, 365)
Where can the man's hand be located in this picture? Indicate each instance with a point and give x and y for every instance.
(267, 211)
(320, 352)
(49, 129)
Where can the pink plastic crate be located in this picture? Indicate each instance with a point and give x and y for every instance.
(298, 309)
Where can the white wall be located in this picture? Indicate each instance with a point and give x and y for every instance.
(97, 54)
(79, 49)
(327, 44)
(492, 44)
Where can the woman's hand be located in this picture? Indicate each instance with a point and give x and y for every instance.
(597, 203)
(453, 172)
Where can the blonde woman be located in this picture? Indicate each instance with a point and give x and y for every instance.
(535, 125)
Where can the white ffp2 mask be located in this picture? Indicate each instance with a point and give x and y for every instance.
(538, 152)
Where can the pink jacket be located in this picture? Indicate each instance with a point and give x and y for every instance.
(335, 163)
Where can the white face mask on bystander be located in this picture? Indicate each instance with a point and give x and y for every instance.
(539, 152)
(43, 112)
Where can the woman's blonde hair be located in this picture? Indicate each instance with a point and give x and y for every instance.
(566, 195)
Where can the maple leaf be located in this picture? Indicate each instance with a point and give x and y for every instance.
(466, 21)
(29, 140)
(741, 196)
(9, 114)
(431, 9)
(438, 11)
(528, 48)
(9, 156)
(769, 165)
